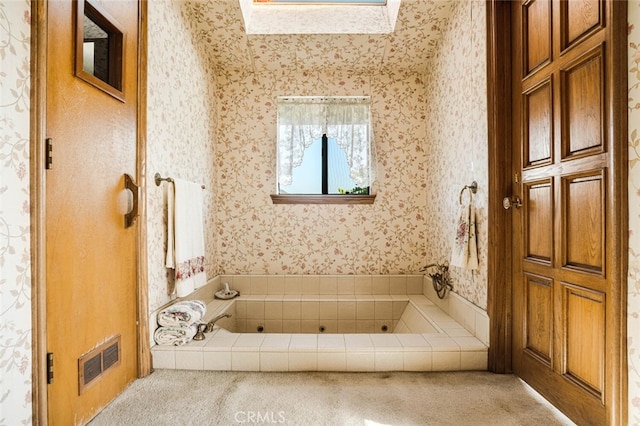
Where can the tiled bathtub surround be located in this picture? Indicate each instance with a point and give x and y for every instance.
(325, 284)
(276, 287)
(449, 345)
(471, 317)
(450, 348)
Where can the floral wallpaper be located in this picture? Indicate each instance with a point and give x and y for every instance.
(633, 302)
(220, 25)
(15, 273)
(254, 236)
(456, 142)
(180, 131)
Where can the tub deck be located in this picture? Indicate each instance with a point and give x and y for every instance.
(451, 348)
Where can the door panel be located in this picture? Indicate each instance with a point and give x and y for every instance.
(563, 293)
(538, 231)
(538, 119)
(539, 317)
(537, 24)
(579, 18)
(583, 102)
(583, 198)
(90, 256)
(584, 313)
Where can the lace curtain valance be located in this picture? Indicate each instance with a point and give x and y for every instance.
(301, 120)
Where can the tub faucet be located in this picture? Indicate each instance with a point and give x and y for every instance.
(443, 267)
(440, 279)
(211, 323)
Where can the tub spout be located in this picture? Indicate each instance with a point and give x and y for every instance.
(443, 267)
(211, 323)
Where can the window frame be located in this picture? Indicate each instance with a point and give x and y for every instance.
(323, 198)
(115, 84)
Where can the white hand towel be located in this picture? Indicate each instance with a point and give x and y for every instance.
(188, 237)
(175, 336)
(465, 249)
(182, 314)
(171, 255)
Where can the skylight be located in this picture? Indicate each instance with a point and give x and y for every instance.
(320, 16)
(349, 2)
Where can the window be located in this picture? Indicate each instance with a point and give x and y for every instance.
(99, 48)
(325, 146)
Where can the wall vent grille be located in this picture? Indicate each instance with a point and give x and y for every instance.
(93, 365)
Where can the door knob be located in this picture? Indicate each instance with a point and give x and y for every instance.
(507, 202)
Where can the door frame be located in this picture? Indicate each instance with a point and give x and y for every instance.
(499, 274)
(38, 126)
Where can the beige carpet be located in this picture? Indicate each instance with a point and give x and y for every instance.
(169, 397)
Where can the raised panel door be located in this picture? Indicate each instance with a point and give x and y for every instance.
(564, 294)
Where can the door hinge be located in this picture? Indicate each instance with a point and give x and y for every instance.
(517, 178)
(49, 368)
(48, 160)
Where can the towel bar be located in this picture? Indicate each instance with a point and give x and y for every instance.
(158, 178)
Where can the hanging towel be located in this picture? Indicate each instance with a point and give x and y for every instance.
(170, 259)
(175, 336)
(182, 314)
(185, 251)
(465, 249)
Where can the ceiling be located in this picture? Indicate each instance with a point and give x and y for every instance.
(219, 24)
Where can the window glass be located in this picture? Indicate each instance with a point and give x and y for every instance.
(307, 177)
(338, 170)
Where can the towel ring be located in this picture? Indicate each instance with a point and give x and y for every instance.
(473, 188)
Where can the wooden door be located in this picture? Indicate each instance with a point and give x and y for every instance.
(90, 256)
(567, 280)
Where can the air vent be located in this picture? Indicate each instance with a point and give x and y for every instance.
(111, 355)
(93, 365)
(91, 369)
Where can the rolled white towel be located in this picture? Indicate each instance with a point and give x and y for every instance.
(174, 336)
(182, 314)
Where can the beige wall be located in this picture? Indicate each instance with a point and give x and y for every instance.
(180, 131)
(457, 140)
(255, 236)
(15, 234)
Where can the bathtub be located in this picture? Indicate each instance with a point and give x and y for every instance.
(404, 332)
(330, 315)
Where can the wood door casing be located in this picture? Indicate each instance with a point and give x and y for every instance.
(567, 278)
(90, 256)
